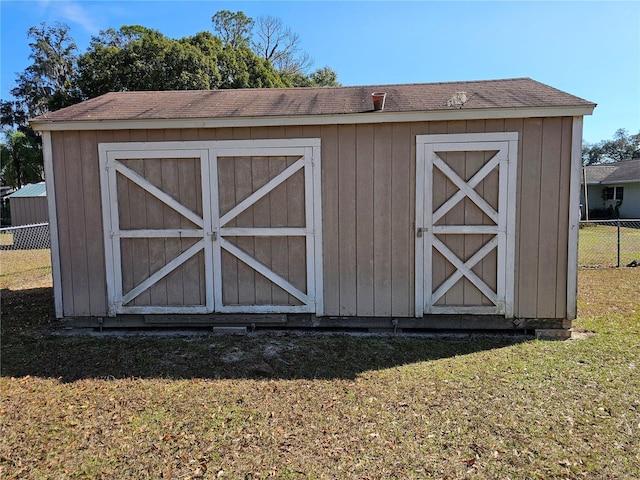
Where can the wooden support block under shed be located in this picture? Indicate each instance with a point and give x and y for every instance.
(553, 334)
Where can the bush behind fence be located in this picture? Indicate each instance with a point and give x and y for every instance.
(609, 243)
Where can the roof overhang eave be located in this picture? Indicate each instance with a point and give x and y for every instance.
(331, 119)
(613, 182)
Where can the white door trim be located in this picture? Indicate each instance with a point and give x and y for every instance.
(308, 151)
(110, 165)
(506, 145)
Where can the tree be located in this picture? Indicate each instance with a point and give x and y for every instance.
(46, 84)
(622, 146)
(242, 68)
(136, 58)
(278, 44)
(274, 43)
(21, 159)
(323, 77)
(233, 28)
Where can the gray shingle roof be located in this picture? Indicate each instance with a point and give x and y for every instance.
(618, 172)
(195, 104)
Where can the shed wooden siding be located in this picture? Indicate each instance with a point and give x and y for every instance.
(28, 210)
(368, 210)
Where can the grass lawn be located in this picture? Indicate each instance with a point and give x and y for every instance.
(599, 245)
(306, 406)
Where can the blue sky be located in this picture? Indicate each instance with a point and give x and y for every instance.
(590, 49)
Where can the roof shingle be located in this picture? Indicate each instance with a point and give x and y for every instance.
(248, 103)
(618, 172)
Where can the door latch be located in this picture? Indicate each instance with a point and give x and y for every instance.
(420, 231)
(214, 236)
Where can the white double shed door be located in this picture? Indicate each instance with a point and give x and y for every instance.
(224, 226)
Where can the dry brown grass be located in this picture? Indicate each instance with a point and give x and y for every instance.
(24, 269)
(295, 406)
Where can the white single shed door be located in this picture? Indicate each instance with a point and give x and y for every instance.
(225, 226)
(465, 223)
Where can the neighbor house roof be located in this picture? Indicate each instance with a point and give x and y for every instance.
(340, 104)
(619, 172)
(31, 190)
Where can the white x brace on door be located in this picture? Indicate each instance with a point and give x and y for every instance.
(465, 223)
(227, 226)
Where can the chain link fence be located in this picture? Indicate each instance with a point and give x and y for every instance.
(25, 237)
(603, 243)
(609, 243)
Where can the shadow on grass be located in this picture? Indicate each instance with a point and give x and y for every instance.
(33, 344)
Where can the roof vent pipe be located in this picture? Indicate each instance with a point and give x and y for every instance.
(378, 100)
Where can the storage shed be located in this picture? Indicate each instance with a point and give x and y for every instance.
(29, 205)
(448, 205)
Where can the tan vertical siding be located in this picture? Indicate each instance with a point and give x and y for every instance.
(564, 205)
(401, 230)
(93, 221)
(347, 184)
(364, 220)
(549, 214)
(330, 217)
(76, 210)
(368, 199)
(382, 215)
(66, 269)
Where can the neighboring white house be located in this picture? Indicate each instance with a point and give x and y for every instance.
(610, 185)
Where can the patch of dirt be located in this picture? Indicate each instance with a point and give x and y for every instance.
(581, 334)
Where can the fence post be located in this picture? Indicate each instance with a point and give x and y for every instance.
(618, 222)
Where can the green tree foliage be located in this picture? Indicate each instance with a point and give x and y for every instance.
(46, 84)
(21, 160)
(136, 58)
(623, 146)
(242, 68)
(233, 28)
(323, 77)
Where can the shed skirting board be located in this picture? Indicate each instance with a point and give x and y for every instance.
(308, 321)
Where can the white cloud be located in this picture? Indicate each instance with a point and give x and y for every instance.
(72, 12)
